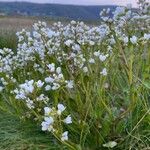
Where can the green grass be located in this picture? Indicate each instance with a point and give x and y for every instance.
(18, 135)
(8, 39)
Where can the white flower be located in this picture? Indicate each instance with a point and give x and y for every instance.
(133, 39)
(97, 53)
(69, 84)
(146, 36)
(76, 47)
(119, 11)
(112, 41)
(48, 87)
(51, 67)
(50, 33)
(47, 124)
(125, 40)
(36, 34)
(104, 72)
(19, 94)
(91, 61)
(91, 43)
(60, 76)
(68, 42)
(55, 86)
(85, 69)
(68, 120)
(28, 86)
(29, 103)
(36, 26)
(24, 90)
(39, 84)
(49, 80)
(42, 97)
(61, 108)
(44, 24)
(102, 57)
(64, 136)
(47, 110)
(58, 70)
(73, 22)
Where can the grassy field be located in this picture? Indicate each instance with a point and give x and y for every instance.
(16, 23)
(10, 25)
(19, 135)
(8, 28)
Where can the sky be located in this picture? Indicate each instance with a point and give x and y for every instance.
(85, 2)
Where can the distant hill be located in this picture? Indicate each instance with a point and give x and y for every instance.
(54, 10)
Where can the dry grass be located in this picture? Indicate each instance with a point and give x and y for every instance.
(17, 23)
(10, 25)
(14, 23)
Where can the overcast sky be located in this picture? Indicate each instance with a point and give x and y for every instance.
(85, 2)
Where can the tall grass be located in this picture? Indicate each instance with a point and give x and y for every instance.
(8, 39)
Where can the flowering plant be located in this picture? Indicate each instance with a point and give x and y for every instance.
(83, 84)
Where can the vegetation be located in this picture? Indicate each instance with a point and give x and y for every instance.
(83, 87)
(18, 135)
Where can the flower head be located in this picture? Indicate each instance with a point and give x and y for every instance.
(104, 72)
(61, 108)
(47, 110)
(133, 39)
(68, 120)
(64, 136)
(69, 84)
(47, 124)
(39, 84)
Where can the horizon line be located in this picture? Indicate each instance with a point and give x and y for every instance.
(55, 3)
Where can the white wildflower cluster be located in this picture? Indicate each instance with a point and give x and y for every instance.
(105, 15)
(120, 11)
(144, 6)
(146, 36)
(6, 60)
(68, 43)
(32, 92)
(65, 62)
(67, 46)
(56, 79)
(29, 92)
(53, 118)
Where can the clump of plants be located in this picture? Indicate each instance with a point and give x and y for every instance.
(87, 86)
